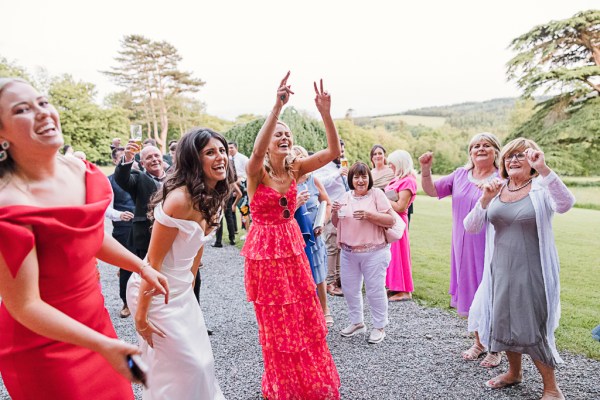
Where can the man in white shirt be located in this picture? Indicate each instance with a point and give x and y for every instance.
(334, 178)
(240, 161)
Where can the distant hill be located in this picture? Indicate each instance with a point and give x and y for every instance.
(500, 105)
(570, 135)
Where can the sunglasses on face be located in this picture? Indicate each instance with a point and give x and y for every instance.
(517, 156)
(284, 203)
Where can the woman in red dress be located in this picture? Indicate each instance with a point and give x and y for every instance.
(56, 340)
(292, 330)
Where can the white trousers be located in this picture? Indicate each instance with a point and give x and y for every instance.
(372, 267)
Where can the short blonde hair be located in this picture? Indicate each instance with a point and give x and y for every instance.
(517, 145)
(299, 151)
(403, 162)
(491, 139)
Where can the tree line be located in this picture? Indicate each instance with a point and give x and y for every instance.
(557, 62)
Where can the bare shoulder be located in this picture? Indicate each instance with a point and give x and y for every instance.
(178, 204)
(72, 168)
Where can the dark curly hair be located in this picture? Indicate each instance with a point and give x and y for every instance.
(187, 171)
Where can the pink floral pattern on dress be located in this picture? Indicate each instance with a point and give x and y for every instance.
(291, 327)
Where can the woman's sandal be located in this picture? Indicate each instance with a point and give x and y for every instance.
(329, 320)
(473, 353)
(491, 360)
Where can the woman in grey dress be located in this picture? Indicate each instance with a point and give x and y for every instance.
(517, 306)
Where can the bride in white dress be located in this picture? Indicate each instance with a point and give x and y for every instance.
(173, 337)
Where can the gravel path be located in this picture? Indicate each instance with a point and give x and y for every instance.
(419, 358)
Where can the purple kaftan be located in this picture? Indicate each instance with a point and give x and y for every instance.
(467, 253)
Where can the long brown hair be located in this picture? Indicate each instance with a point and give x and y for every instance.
(188, 172)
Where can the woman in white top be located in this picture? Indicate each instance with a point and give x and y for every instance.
(173, 336)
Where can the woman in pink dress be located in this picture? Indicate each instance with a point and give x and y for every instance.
(278, 279)
(56, 338)
(467, 252)
(399, 273)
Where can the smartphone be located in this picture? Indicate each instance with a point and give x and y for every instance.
(138, 368)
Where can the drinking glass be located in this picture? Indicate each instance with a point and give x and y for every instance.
(135, 132)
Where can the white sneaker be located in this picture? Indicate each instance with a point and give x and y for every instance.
(243, 237)
(376, 336)
(353, 329)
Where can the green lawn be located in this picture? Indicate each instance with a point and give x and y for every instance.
(577, 241)
(587, 196)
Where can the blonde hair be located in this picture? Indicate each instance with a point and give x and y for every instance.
(299, 151)
(402, 162)
(491, 139)
(517, 145)
(288, 161)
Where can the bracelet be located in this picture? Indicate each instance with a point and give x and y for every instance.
(145, 264)
(425, 176)
(275, 115)
(146, 328)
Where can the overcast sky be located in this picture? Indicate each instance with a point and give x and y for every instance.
(375, 56)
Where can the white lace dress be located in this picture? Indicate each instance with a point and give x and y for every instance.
(182, 364)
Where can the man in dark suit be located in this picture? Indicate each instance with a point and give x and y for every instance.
(121, 214)
(141, 186)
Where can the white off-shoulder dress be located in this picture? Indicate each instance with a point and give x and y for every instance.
(181, 364)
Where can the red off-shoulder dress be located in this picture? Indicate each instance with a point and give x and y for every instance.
(66, 240)
(291, 326)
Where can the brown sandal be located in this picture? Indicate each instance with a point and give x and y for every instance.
(473, 353)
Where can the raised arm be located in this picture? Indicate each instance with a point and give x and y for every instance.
(561, 197)
(123, 175)
(333, 150)
(261, 143)
(426, 180)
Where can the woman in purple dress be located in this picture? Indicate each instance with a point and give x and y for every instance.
(467, 252)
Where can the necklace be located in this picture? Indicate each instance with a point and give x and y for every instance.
(359, 197)
(520, 187)
(276, 178)
(476, 181)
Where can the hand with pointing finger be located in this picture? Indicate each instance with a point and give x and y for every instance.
(284, 91)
